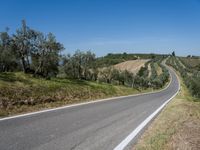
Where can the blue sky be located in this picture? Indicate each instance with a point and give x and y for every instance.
(105, 26)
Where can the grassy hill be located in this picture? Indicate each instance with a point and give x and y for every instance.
(115, 58)
(21, 92)
(24, 92)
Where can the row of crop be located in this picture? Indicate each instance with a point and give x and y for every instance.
(194, 71)
(141, 80)
(192, 81)
(187, 67)
(155, 81)
(159, 80)
(144, 71)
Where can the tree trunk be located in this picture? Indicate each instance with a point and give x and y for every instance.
(23, 64)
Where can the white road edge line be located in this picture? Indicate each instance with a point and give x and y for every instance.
(79, 104)
(134, 133)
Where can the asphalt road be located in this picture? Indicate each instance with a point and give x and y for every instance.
(95, 126)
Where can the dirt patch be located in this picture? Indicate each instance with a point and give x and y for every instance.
(158, 69)
(131, 65)
(149, 68)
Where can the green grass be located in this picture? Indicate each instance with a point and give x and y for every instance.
(21, 92)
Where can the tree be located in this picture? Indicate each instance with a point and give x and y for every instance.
(141, 72)
(31, 51)
(81, 66)
(188, 56)
(8, 60)
(106, 75)
(23, 42)
(153, 56)
(88, 59)
(113, 75)
(173, 53)
(45, 57)
(94, 70)
(129, 78)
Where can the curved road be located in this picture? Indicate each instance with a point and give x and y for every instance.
(95, 126)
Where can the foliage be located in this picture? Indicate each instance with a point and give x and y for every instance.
(80, 66)
(8, 60)
(140, 80)
(190, 76)
(30, 51)
(173, 54)
(38, 54)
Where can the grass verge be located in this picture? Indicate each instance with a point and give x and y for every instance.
(176, 127)
(20, 93)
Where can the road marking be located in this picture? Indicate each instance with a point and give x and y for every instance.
(79, 104)
(134, 133)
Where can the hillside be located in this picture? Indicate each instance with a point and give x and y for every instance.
(132, 66)
(115, 58)
(176, 127)
(21, 92)
(191, 62)
(190, 75)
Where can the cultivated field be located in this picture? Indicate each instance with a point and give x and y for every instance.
(132, 66)
(190, 62)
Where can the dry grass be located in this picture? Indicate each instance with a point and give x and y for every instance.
(192, 62)
(158, 69)
(131, 65)
(176, 127)
(180, 62)
(149, 68)
(21, 93)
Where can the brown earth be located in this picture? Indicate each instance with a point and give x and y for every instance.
(132, 66)
(149, 68)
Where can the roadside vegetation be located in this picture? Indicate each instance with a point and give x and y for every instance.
(177, 126)
(21, 92)
(34, 73)
(190, 75)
